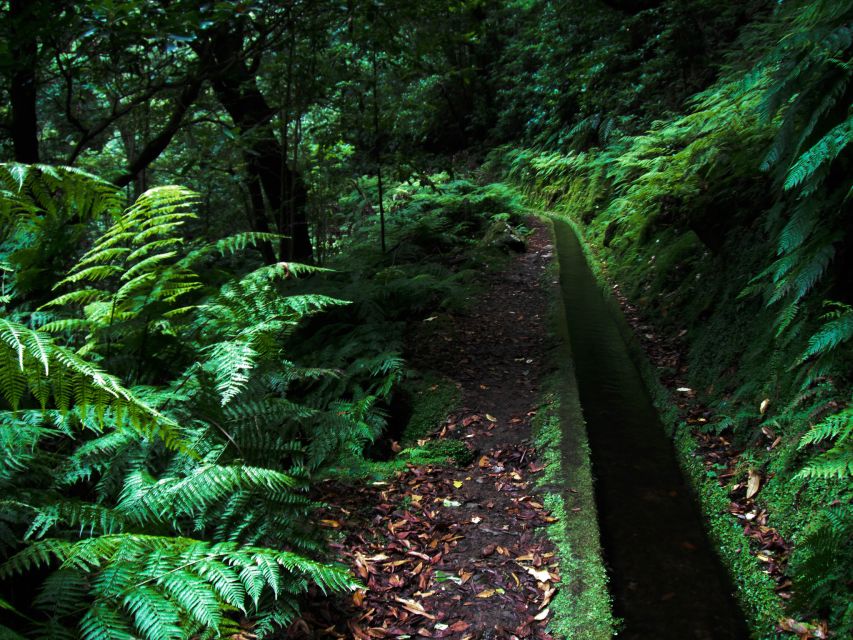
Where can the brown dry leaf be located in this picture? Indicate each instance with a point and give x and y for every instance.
(413, 607)
(357, 631)
(491, 418)
(487, 593)
(358, 597)
(458, 627)
(547, 595)
(334, 524)
(753, 484)
(361, 566)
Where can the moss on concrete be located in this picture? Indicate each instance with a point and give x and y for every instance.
(755, 589)
(582, 607)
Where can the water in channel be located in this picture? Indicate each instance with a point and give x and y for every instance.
(665, 578)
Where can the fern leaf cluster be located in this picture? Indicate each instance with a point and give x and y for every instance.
(169, 497)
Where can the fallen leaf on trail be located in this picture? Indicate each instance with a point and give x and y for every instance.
(762, 409)
(457, 484)
(334, 524)
(414, 607)
(753, 484)
(491, 418)
(488, 593)
(476, 520)
(541, 575)
(542, 614)
(361, 566)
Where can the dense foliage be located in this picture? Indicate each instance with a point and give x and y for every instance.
(728, 221)
(180, 364)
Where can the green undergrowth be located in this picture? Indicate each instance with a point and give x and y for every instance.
(432, 453)
(582, 607)
(432, 398)
(168, 405)
(440, 238)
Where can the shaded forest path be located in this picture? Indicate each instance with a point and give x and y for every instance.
(459, 552)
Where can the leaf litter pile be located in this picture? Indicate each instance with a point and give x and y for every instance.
(450, 552)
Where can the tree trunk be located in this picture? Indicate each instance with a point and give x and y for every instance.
(22, 90)
(283, 188)
(157, 145)
(377, 149)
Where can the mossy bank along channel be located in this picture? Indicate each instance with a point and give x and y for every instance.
(666, 580)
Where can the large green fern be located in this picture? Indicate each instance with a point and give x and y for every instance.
(157, 587)
(143, 508)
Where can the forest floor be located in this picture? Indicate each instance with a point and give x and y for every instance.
(459, 552)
